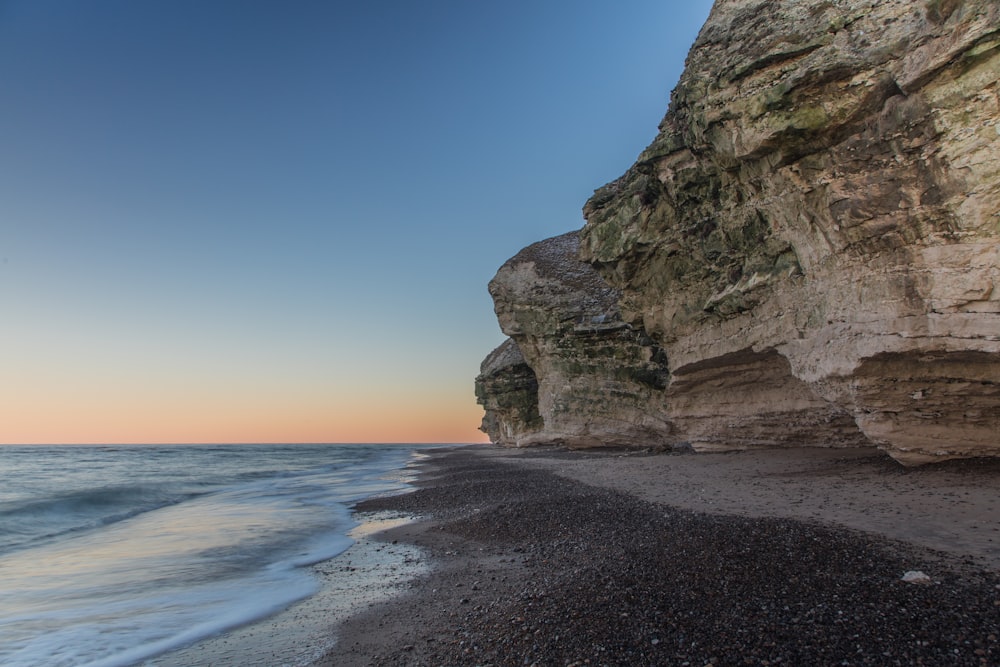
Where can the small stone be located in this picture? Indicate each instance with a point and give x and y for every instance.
(917, 577)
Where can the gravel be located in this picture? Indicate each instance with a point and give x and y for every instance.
(534, 569)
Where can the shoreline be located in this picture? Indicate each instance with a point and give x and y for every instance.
(789, 557)
(368, 572)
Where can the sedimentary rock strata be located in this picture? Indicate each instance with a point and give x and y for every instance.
(600, 381)
(813, 237)
(507, 389)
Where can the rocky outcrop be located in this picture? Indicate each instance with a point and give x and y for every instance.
(507, 389)
(813, 237)
(600, 381)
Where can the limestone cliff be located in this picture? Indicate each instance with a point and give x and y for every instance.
(600, 381)
(813, 237)
(507, 389)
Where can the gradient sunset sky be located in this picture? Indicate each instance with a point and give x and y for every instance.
(246, 221)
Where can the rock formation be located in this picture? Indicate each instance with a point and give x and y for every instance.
(813, 237)
(600, 381)
(507, 388)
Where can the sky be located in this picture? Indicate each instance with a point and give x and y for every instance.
(270, 221)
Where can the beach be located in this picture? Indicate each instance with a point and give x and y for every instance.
(371, 571)
(793, 557)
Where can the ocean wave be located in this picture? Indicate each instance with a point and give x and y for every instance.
(25, 523)
(185, 543)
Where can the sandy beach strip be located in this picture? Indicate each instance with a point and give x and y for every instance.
(791, 557)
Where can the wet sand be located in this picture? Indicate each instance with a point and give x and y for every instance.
(787, 557)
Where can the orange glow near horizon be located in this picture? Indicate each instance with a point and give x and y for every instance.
(193, 419)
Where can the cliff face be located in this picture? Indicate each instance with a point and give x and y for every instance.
(813, 238)
(600, 381)
(507, 389)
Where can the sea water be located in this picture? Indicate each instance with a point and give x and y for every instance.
(110, 555)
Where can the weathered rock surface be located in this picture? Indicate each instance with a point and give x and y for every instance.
(600, 381)
(507, 389)
(813, 238)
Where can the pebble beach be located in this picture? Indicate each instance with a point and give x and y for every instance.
(545, 557)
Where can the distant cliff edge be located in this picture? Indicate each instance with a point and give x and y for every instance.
(808, 254)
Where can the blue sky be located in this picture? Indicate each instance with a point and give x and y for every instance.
(275, 221)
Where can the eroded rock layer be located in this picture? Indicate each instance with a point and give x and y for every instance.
(826, 188)
(507, 389)
(600, 381)
(808, 253)
(750, 399)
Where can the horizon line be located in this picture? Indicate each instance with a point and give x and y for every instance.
(180, 444)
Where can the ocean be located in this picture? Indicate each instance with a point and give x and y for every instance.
(110, 555)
